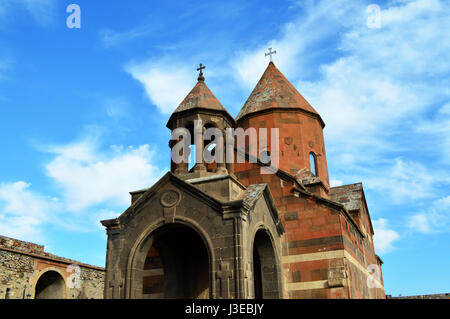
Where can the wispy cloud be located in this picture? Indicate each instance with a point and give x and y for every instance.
(90, 184)
(88, 176)
(372, 88)
(405, 180)
(166, 83)
(116, 108)
(437, 129)
(23, 212)
(384, 237)
(384, 75)
(110, 38)
(42, 11)
(434, 220)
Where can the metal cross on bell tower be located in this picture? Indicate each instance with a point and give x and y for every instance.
(200, 76)
(270, 54)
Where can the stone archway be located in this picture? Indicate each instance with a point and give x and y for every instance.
(265, 267)
(50, 285)
(175, 265)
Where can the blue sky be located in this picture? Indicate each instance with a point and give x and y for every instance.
(83, 111)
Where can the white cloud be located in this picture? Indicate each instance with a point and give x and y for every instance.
(88, 177)
(294, 48)
(22, 211)
(165, 83)
(435, 219)
(404, 180)
(384, 237)
(420, 222)
(438, 129)
(382, 76)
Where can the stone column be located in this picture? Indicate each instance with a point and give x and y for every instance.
(180, 168)
(199, 131)
(220, 156)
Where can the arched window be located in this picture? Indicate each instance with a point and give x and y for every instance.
(313, 164)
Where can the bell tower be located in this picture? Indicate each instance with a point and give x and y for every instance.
(275, 103)
(199, 125)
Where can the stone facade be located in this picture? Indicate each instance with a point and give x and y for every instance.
(28, 272)
(176, 241)
(286, 234)
(328, 250)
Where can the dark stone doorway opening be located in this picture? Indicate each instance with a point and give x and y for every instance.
(265, 274)
(176, 265)
(50, 286)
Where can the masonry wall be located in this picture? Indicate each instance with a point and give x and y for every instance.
(21, 267)
(361, 259)
(312, 232)
(324, 255)
(299, 134)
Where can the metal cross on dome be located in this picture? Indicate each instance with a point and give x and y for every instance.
(270, 54)
(201, 68)
(200, 76)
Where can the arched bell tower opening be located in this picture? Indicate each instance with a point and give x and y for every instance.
(265, 272)
(176, 265)
(50, 286)
(206, 120)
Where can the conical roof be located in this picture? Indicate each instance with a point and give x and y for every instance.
(275, 91)
(200, 97)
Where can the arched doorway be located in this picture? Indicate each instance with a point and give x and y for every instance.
(50, 286)
(176, 265)
(265, 267)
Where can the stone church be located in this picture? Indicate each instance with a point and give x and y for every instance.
(225, 230)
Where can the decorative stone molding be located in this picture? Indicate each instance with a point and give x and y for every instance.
(170, 198)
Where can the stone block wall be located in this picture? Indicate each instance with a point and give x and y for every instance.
(15, 273)
(23, 264)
